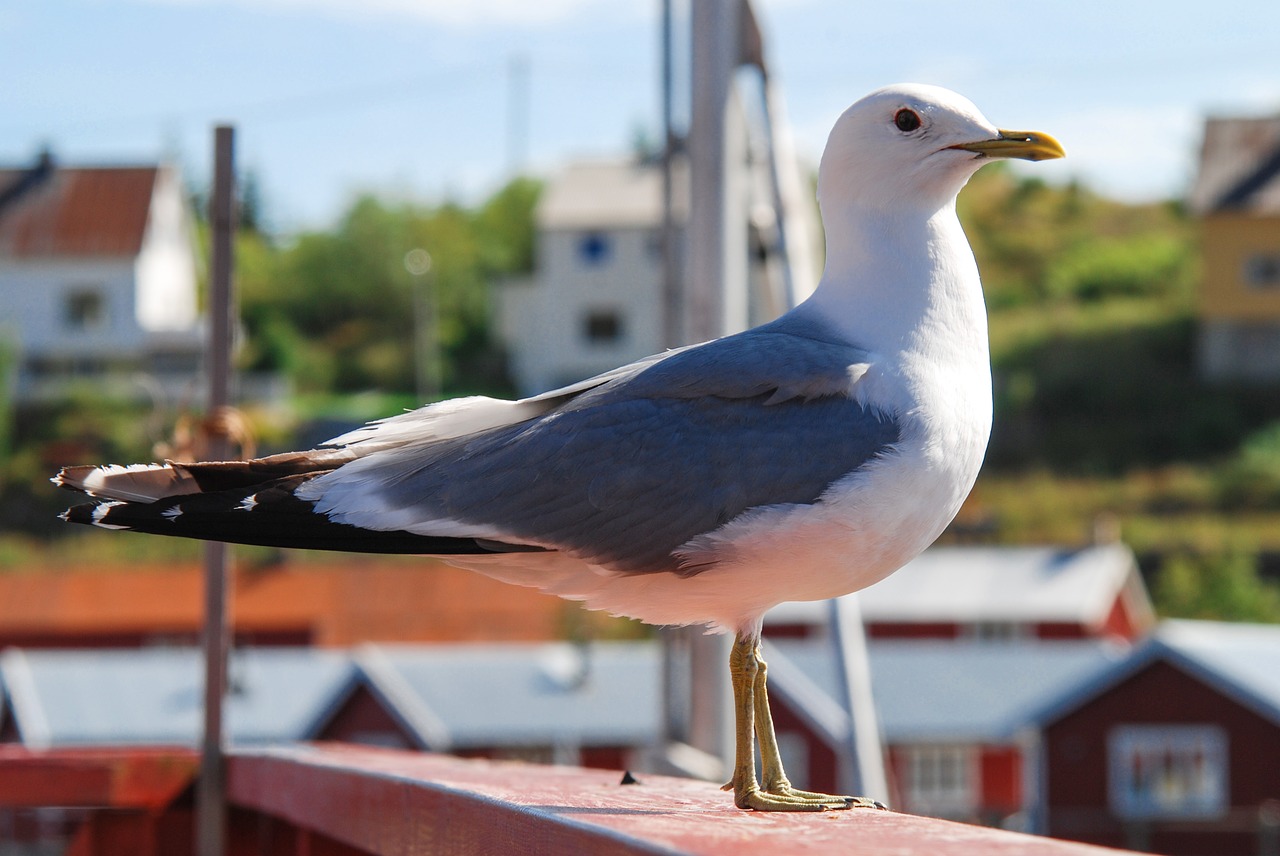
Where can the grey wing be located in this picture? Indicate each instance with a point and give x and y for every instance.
(628, 471)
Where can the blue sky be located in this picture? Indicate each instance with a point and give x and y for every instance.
(410, 97)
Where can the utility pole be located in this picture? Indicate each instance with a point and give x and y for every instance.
(211, 797)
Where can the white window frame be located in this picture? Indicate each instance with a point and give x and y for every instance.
(1168, 771)
(943, 779)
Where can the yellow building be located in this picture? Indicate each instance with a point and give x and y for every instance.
(1237, 197)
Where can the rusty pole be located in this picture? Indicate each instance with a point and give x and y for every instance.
(211, 801)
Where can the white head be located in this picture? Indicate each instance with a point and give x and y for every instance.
(913, 144)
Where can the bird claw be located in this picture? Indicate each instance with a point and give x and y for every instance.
(787, 798)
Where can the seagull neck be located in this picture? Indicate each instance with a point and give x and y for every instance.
(891, 274)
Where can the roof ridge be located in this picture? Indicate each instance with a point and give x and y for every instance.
(403, 700)
(28, 179)
(1238, 194)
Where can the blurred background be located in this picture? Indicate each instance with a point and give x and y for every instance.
(442, 199)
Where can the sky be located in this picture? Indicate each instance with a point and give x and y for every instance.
(430, 100)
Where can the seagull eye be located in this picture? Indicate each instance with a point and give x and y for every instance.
(906, 120)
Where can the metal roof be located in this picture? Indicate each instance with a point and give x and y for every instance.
(1242, 661)
(458, 696)
(471, 695)
(932, 691)
(50, 210)
(605, 194)
(155, 696)
(1239, 166)
(1010, 584)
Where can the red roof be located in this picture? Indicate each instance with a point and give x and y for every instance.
(95, 211)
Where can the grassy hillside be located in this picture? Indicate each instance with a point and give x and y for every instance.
(1098, 407)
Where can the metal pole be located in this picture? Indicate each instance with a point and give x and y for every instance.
(715, 54)
(211, 801)
(862, 769)
(675, 641)
(428, 371)
(714, 44)
(672, 296)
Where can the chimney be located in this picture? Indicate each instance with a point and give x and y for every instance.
(26, 181)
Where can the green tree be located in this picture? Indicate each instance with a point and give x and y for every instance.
(1225, 586)
(335, 309)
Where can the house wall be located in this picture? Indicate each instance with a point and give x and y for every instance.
(1001, 771)
(1239, 336)
(996, 775)
(545, 319)
(913, 630)
(950, 630)
(34, 295)
(166, 265)
(1229, 241)
(819, 769)
(328, 604)
(362, 718)
(1076, 765)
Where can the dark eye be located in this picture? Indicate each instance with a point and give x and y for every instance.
(906, 120)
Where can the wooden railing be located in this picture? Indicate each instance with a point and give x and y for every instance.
(402, 803)
(341, 800)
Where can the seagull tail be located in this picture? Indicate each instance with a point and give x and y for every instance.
(250, 502)
(151, 482)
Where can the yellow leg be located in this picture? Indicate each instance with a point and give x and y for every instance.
(775, 780)
(751, 718)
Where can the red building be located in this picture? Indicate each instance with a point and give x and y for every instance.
(586, 705)
(330, 603)
(955, 718)
(1174, 750)
(996, 593)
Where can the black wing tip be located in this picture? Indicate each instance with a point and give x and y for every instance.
(275, 519)
(99, 514)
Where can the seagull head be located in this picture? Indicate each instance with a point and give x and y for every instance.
(914, 145)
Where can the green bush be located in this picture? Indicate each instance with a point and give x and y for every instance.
(1138, 266)
(1223, 586)
(1252, 477)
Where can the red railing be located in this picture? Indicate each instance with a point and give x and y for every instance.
(343, 800)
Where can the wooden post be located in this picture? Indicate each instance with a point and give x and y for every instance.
(211, 801)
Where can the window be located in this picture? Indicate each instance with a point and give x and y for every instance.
(84, 310)
(998, 631)
(942, 779)
(1262, 270)
(594, 249)
(1167, 770)
(602, 327)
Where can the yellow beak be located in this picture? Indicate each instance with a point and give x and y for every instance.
(1027, 145)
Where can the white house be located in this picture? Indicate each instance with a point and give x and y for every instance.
(593, 302)
(97, 279)
(595, 299)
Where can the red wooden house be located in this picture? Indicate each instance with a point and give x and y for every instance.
(587, 705)
(996, 593)
(1176, 749)
(954, 717)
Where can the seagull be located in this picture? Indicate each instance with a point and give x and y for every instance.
(800, 460)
